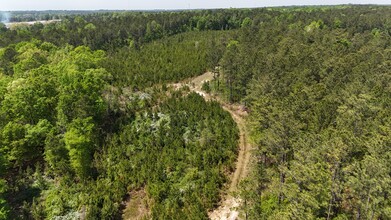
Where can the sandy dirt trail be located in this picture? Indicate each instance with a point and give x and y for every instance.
(228, 208)
(229, 204)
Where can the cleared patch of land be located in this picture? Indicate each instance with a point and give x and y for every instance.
(15, 24)
(137, 206)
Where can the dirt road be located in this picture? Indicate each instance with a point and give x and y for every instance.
(229, 204)
(228, 208)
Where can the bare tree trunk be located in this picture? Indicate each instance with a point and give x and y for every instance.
(246, 212)
(281, 195)
(282, 180)
(367, 205)
(358, 217)
(332, 199)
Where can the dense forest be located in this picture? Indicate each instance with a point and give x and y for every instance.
(318, 87)
(88, 114)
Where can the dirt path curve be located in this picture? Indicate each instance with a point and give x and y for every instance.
(229, 204)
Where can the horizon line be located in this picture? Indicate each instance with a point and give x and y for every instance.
(188, 9)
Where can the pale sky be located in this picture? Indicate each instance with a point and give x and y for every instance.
(6, 5)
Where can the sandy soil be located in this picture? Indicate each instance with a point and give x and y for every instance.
(28, 23)
(136, 206)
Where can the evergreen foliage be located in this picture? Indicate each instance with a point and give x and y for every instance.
(87, 116)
